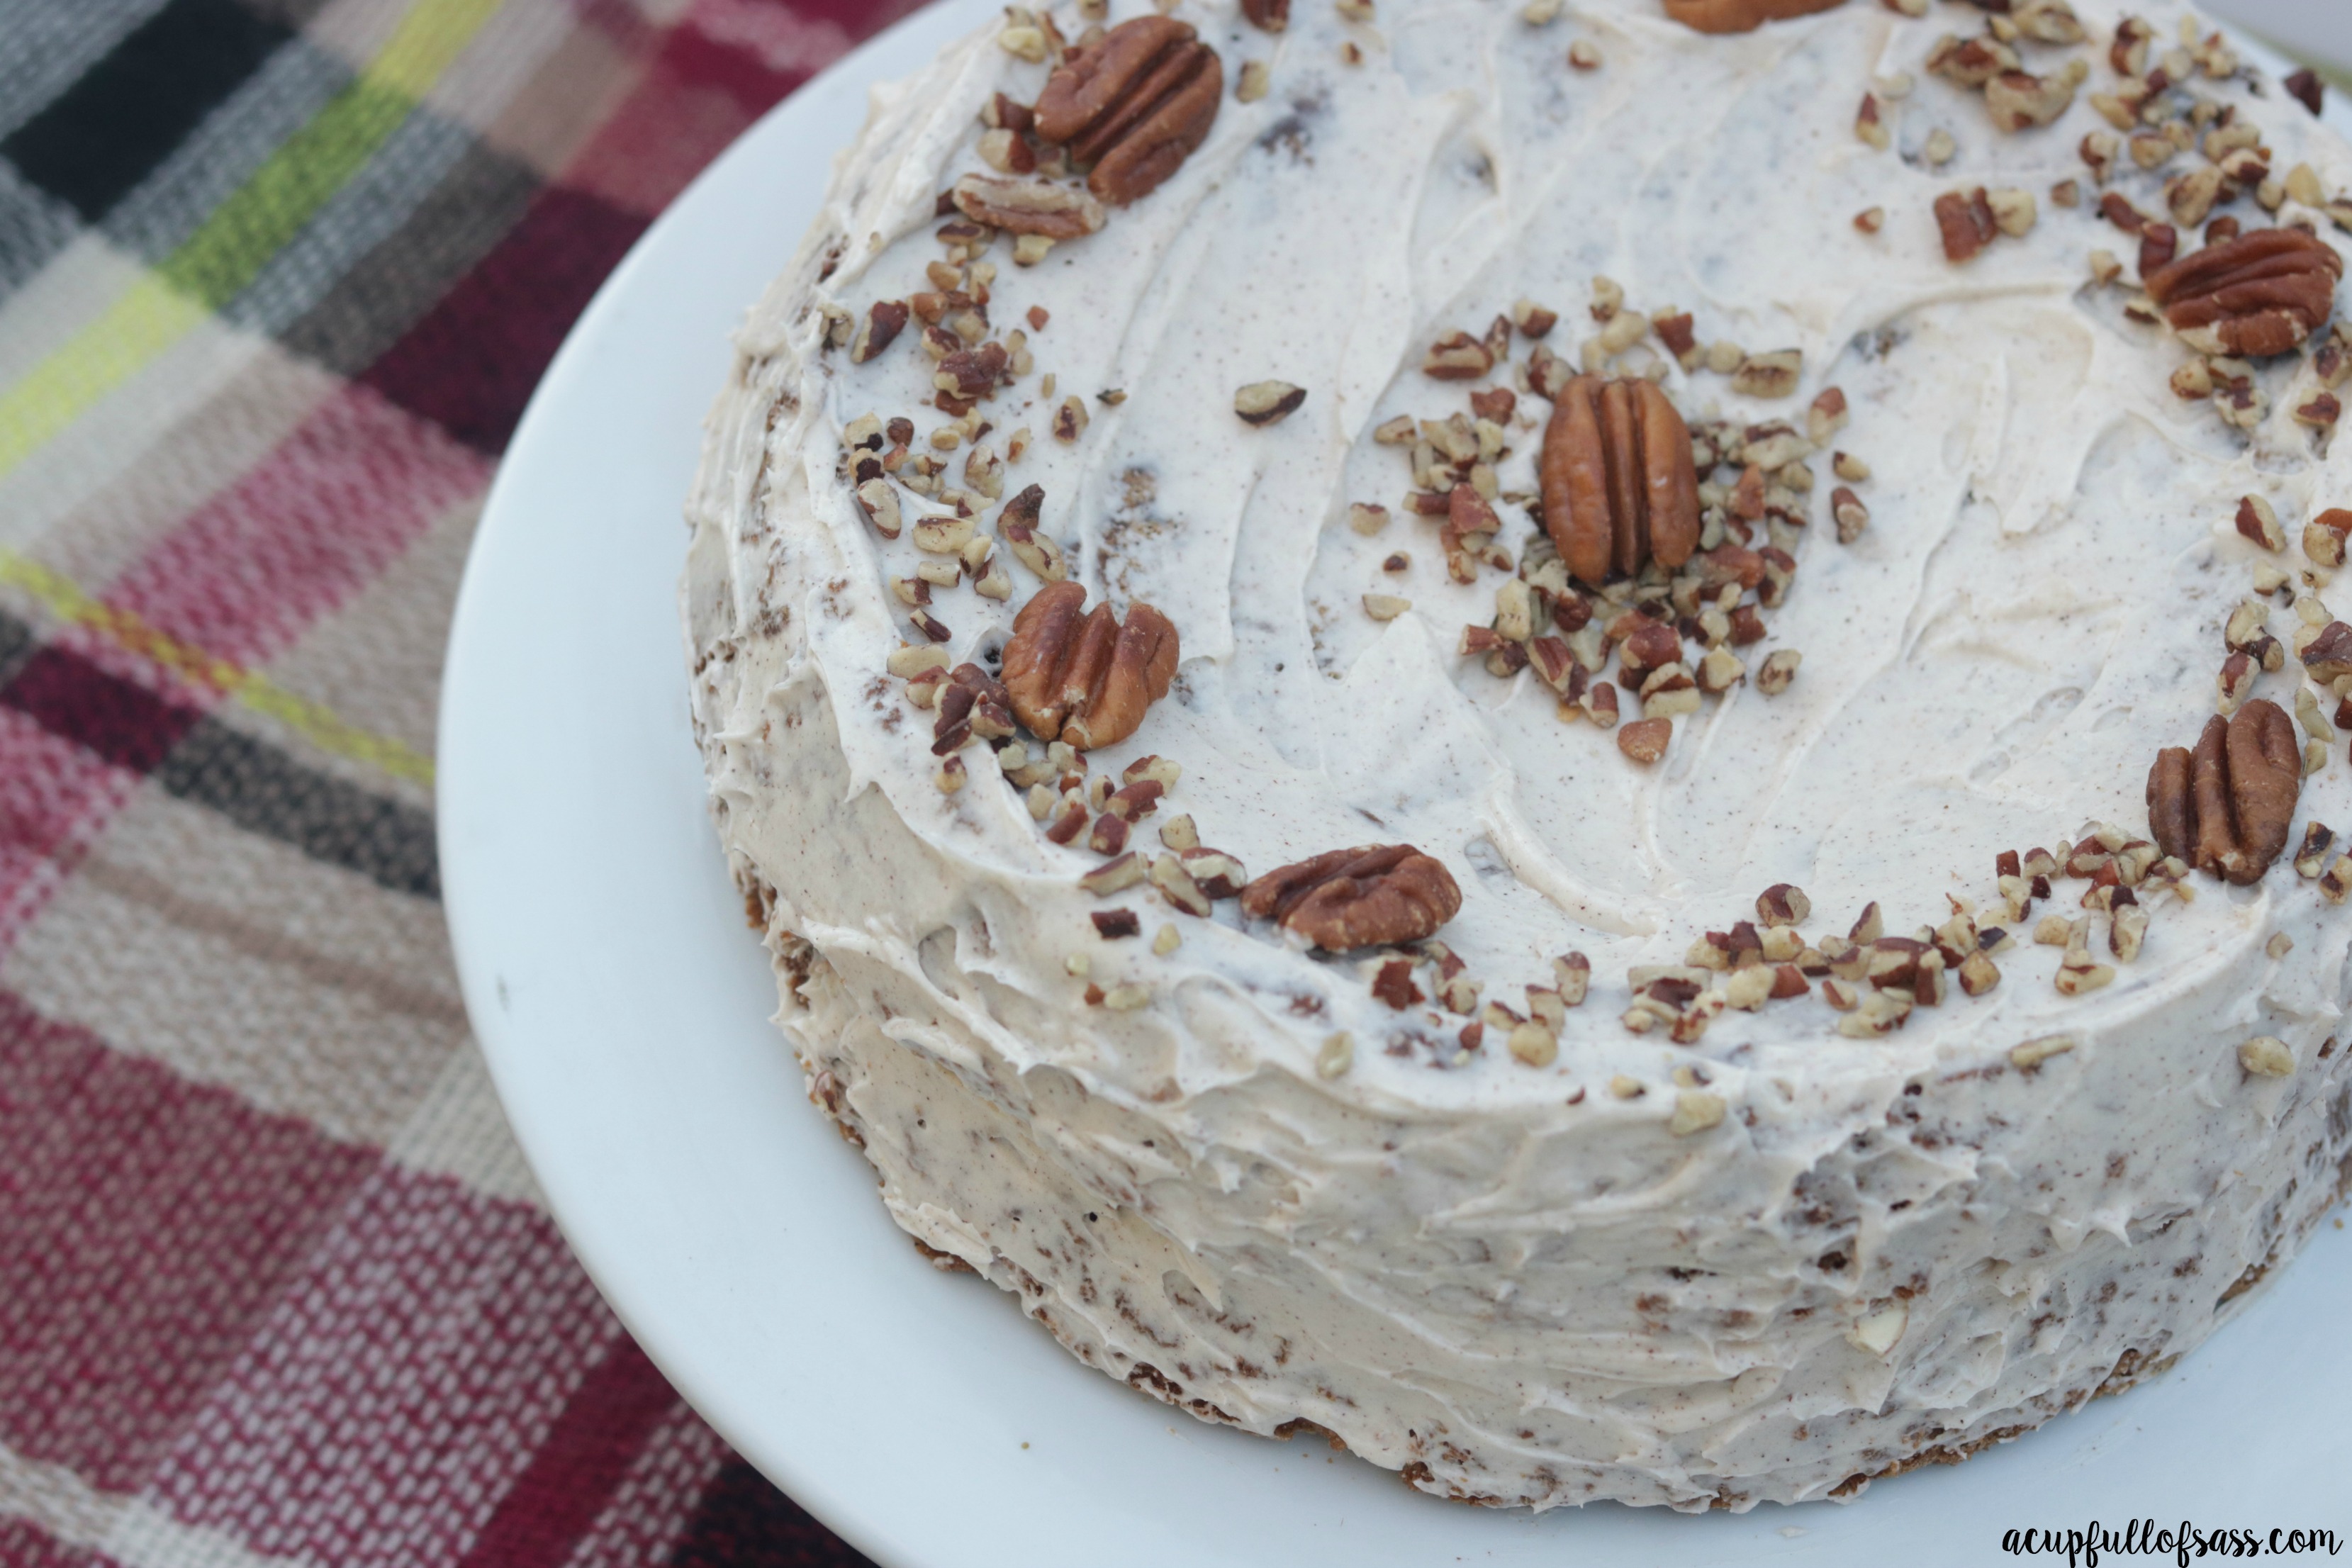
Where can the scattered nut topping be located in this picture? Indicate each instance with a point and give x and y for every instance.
(1336, 1056)
(2311, 857)
(2261, 294)
(1268, 402)
(2335, 882)
(1114, 876)
(1620, 485)
(2267, 1056)
(885, 319)
(1779, 667)
(1083, 676)
(2256, 520)
(1583, 56)
(1256, 79)
(1132, 108)
(1695, 1110)
(2226, 809)
(1349, 898)
(1965, 220)
(2033, 1053)
(1457, 357)
(1645, 740)
(1773, 375)
(1028, 541)
(1385, 607)
(2014, 211)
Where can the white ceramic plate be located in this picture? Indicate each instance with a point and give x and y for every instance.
(624, 1008)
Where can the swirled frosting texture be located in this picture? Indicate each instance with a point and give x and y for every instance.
(1510, 1282)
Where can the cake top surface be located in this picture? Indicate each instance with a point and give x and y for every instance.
(2032, 610)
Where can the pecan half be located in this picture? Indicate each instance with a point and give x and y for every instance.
(1133, 106)
(1357, 898)
(1028, 207)
(2262, 293)
(1619, 483)
(1079, 676)
(2225, 808)
(1741, 15)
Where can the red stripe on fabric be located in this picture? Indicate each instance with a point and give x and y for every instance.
(124, 723)
(316, 521)
(471, 363)
(398, 1388)
(55, 796)
(24, 1545)
(145, 1224)
(559, 1495)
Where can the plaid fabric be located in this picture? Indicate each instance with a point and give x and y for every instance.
(275, 278)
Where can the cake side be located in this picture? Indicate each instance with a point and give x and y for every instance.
(1787, 1257)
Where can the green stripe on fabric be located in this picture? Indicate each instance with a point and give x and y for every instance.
(232, 246)
(237, 242)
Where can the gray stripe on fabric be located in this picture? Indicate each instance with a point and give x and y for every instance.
(34, 227)
(46, 46)
(262, 790)
(478, 202)
(220, 156)
(367, 211)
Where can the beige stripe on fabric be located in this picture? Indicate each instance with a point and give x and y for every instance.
(377, 660)
(55, 1499)
(181, 466)
(461, 1133)
(129, 1532)
(553, 115)
(236, 960)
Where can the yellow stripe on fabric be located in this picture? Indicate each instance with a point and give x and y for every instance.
(149, 318)
(315, 723)
(229, 250)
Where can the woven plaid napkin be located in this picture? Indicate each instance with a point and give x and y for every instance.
(275, 278)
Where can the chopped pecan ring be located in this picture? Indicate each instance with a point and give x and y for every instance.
(2226, 808)
(1133, 106)
(1742, 16)
(1357, 898)
(2262, 293)
(1618, 482)
(1080, 675)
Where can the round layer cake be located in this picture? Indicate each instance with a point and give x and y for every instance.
(1593, 745)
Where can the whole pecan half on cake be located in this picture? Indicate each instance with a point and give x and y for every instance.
(1619, 483)
(2226, 808)
(1080, 675)
(1742, 16)
(1357, 898)
(1133, 106)
(2261, 293)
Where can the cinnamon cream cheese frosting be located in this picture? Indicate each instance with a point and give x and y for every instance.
(1791, 1196)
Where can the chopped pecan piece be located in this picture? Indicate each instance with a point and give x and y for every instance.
(2226, 808)
(2262, 293)
(1267, 15)
(1966, 221)
(2327, 657)
(1134, 106)
(1267, 402)
(1741, 15)
(1357, 898)
(1081, 677)
(1028, 207)
(1620, 486)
